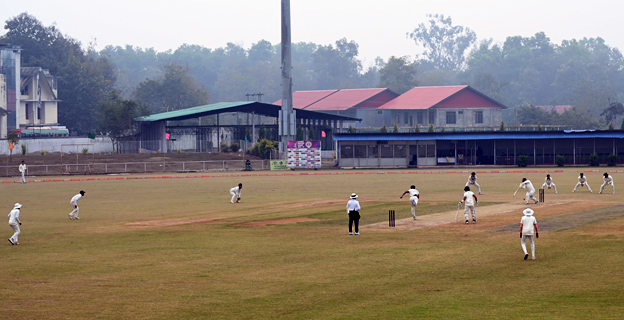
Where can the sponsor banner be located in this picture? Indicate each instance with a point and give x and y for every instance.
(278, 165)
(304, 154)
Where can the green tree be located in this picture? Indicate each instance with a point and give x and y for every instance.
(337, 67)
(383, 129)
(610, 113)
(398, 75)
(175, 90)
(116, 117)
(395, 128)
(446, 46)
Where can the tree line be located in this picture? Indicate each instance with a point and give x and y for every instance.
(522, 73)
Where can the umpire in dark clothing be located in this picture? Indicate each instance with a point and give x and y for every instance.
(353, 209)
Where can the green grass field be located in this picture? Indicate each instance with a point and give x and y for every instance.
(177, 249)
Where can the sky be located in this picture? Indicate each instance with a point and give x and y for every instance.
(379, 27)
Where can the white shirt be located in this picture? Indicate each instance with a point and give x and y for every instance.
(528, 185)
(548, 180)
(22, 167)
(582, 179)
(353, 205)
(472, 179)
(469, 195)
(14, 216)
(75, 199)
(528, 225)
(608, 179)
(413, 195)
(236, 190)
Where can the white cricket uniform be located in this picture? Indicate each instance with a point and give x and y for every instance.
(549, 183)
(413, 200)
(608, 180)
(528, 231)
(469, 206)
(14, 222)
(74, 203)
(472, 180)
(236, 193)
(22, 170)
(530, 191)
(582, 181)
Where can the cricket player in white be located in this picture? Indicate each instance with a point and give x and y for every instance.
(472, 179)
(236, 193)
(582, 181)
(22, 170)
(526, 184)
(414, 197)
(549, 183)
(74, 204)
(469, 207)
(528, 227)
(608, 180)
(353, 211)
(15, 222)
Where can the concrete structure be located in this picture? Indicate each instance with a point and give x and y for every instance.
(10, 57)
(476, 148)
(38, 98)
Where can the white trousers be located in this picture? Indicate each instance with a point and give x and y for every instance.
(578, 184)
(234, 196)
(16, 229)
(475, 184)
(23, 177)
(551, 185)
(74, 214)
(469, 209)
(605, 184)
(530, 195)
(414, 202)
(523, 243)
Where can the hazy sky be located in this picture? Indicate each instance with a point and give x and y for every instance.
(379, 27)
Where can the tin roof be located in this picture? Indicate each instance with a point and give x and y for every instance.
(422, 98)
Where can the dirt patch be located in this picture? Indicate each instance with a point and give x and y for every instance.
(264, 223)
(168, 222)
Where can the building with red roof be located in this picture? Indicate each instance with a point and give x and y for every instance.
(444, 106)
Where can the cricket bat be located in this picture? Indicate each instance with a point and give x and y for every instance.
(516, 191)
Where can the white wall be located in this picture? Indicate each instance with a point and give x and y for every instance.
(101, 145)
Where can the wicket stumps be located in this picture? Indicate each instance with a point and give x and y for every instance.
(391, 218)
(541, 195)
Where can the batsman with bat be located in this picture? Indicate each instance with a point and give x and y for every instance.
(530, 194)
(469, 207)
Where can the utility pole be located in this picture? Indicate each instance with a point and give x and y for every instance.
(287, 115)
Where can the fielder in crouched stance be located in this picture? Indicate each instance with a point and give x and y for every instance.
(469, 207)
(414, 197)
(472, 179)
(549, 183)
(74, 203)
(528, 228)
(582, 181)
(608, 180)
(236, 193)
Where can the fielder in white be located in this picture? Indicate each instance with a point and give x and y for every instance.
(15, 222)
(74, 204)
(528, 227)
(414, 197)
(582, 181)
(22, 170)
(526, 184)
(608, 180)
(549, 183)
(236, 193)
(469, 207)
(472, 180)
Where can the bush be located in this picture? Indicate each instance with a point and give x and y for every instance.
(42, 152)
(560, 160)
(523, 160)
(224, 148)
(612, 160)
(593, 160)
(263, 148)
(234, 147)
(85, 150)
(23, 149)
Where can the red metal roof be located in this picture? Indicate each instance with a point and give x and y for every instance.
(346, 99)
(559, 109)
(422, 97)
(303, 99)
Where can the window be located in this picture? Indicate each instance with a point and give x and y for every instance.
(451, 117)
(419, 117)
(432, 114)
(27, 111)
(405, 118)
(399, 151)
(39, 113)
(386, 151)
(478, 117)
(346, 151)
(359, 151)
(25, 91)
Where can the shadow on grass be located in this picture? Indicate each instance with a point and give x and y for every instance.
(572, 220)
